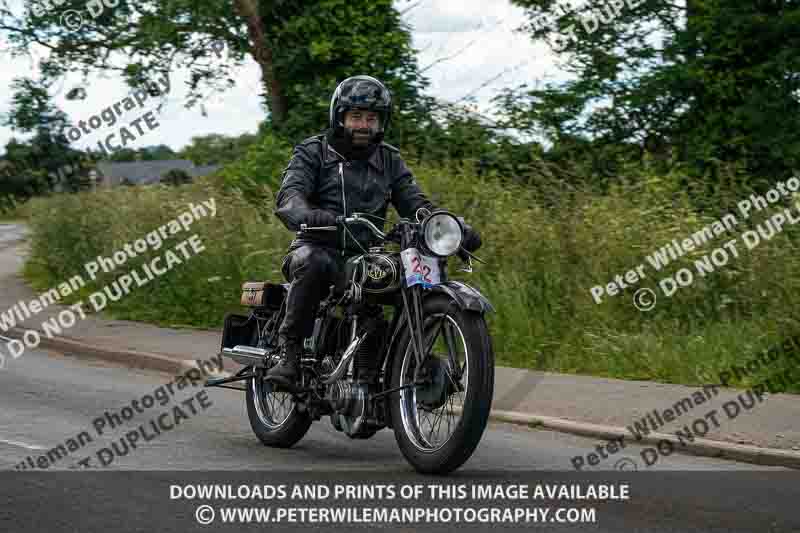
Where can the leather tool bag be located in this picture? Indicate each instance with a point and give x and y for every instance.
(263, 294)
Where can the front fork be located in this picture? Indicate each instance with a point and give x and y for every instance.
(412, 303)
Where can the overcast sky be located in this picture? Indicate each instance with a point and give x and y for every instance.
(479, 32)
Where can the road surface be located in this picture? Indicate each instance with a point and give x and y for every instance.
(49, 400)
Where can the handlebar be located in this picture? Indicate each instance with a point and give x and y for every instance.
(355, 218)
(358, 218)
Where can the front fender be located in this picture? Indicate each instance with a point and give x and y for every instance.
(465, 296)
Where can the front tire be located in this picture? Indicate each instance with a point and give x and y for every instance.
(468, 364)
(273, 415)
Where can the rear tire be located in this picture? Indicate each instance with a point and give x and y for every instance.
(273, 415)
(471, 336)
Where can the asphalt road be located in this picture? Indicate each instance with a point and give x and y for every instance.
(10, 233)
(48, 399)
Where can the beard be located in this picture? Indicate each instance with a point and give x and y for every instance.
(344, 142)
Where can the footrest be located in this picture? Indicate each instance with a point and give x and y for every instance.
(220, 382)
(213, 382)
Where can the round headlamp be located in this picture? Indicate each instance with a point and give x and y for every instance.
(442, 233)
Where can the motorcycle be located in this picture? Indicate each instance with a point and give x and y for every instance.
(427, 372)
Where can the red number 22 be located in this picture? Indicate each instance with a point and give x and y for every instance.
(426, 270)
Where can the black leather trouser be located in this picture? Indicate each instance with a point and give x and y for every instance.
(311, 269)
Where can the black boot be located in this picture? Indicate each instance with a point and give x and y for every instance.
(286, 372)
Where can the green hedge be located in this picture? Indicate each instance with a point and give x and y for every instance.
(545, 251)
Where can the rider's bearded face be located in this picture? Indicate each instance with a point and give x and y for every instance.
(363, 124)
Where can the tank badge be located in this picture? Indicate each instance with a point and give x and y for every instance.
(375, 272)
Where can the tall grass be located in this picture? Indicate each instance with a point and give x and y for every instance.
(10, 208)
(70, 230)
(545, 249)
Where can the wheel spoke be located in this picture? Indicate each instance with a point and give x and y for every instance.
(427, 428)
(427, 418)
(441, 418)
(274, 408)
(284, 397)
(455, 385)
(436, 426)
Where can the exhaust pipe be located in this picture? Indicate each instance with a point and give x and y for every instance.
(346, 357)
(247, 355)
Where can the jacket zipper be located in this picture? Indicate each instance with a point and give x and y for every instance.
(344, 207)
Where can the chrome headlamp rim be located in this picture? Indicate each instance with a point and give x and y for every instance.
(424, 232)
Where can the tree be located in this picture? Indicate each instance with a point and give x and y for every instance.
(38, 165)
(216, 149)
(146, 153)
(18, 175)
(703, 82)
(302, 47)
(158, 152)
(176, 177)
(124, 155)
(337, 39)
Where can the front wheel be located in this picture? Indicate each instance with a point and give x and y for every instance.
(439, 423)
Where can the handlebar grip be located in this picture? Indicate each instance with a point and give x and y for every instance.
(305, 227)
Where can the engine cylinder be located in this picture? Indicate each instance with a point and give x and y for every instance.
(367, 357)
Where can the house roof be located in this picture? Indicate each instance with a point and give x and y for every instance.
(205, 170)
(147, 172)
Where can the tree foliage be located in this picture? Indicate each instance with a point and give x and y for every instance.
(176, 177)
(41, 165)
(216, 149)
(701, 82)
(147, 153)
(303, 48)
(335, 39)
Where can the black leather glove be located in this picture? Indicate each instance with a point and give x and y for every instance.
(472, 240)
(321, 217)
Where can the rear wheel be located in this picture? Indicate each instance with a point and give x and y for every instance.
(439, 424)
(273, 414)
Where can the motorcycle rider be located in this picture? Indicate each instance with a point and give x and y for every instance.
(344, 170)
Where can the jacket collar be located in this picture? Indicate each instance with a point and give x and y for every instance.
(332, 156)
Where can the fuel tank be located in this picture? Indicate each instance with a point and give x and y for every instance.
(376, 272)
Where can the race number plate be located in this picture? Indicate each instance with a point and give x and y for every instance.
(420, 269)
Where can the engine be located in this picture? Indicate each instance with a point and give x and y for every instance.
(348, 397)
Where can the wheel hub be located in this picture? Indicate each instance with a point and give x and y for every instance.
(433, 392)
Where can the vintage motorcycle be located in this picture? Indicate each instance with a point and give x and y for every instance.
(427, 372)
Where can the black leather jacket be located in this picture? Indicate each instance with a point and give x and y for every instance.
(318, 177)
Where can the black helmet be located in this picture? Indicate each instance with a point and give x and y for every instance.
(361, 92)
